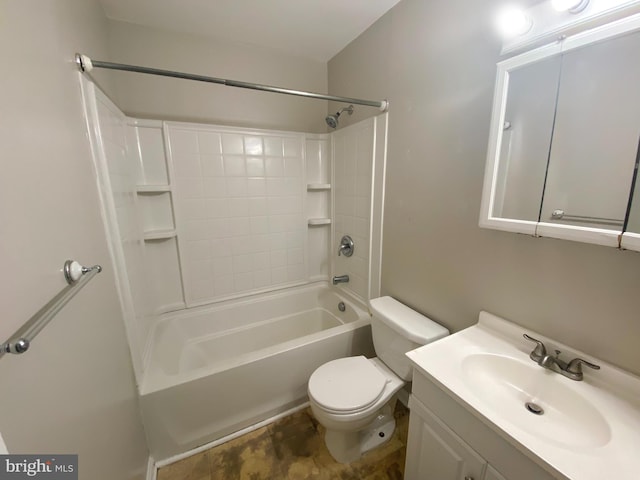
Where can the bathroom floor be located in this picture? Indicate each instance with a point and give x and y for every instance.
(292, 448)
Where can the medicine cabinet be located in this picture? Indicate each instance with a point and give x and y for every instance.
(564, 139)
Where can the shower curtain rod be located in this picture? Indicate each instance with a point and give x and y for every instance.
(86, 64)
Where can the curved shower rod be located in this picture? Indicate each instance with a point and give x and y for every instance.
(86, 64)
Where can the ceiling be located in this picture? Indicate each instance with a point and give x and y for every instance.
(315, 29)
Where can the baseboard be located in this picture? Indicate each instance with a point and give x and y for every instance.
(152, 469)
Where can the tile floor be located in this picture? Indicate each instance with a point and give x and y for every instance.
(292, 448)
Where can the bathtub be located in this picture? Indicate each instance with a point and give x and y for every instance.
(219, 369)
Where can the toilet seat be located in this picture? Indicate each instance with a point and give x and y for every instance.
(347, 385)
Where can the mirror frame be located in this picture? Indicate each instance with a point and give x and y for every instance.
(600, 236)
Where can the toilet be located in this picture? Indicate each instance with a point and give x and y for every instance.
(354, 397)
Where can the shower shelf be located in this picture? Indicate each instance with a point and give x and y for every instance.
(159, 234)
(311, 187)
(153, 188)
(314, 222)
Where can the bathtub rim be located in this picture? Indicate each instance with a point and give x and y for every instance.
(258, 296)
(155, 380)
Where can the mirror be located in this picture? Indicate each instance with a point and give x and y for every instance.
(526, 139)
(564, 138)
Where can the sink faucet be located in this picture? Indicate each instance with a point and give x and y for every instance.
(340, 279)
(553, 363)
(572, 369)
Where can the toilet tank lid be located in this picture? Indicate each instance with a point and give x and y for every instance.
(406, 321)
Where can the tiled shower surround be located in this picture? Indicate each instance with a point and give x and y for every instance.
(239, 199)
(352, 154)
(197, 213)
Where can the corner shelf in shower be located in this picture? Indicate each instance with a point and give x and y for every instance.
(148, 146)
(316, 222)
(159, 235)
(142, 189)
(318, 187)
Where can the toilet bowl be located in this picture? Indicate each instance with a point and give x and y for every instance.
(354, 397)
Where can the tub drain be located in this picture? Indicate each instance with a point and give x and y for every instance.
(534, 408)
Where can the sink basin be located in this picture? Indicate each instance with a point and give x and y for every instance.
(506, 385)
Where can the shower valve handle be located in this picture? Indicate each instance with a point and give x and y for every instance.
(346, 246)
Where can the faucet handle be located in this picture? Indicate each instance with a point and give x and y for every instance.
(575, 366)
(539, 352)
(346, 246)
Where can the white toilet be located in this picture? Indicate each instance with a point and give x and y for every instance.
(354, 397)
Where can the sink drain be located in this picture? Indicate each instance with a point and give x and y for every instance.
(534, 408)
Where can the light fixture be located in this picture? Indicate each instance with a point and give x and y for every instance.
(571, 6)
(513, 21)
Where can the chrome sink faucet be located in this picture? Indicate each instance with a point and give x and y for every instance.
(572, 369)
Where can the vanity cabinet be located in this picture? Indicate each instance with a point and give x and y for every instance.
(492, 474)
(435, 451)
(447, 442)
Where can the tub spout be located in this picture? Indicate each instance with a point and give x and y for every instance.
(340, 279)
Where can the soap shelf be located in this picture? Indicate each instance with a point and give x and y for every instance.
(317, 187)
(159, 234)
(153, 188)
(314, 222)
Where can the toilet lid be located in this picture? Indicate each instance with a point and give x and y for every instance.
(346, 384)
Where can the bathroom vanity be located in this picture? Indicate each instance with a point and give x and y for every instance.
(447, 442)
(481, 408)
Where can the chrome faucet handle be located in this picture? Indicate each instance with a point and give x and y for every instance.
(575, 366)
(346, 246)
(539, 352)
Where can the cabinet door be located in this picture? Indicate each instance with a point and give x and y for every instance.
(493, 474)
(434, 452)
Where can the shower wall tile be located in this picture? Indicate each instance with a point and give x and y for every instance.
(273, 146)
(234, 166)
(317, 156)
(148, 146)
(255, 167)
(253, 145)
(185, 142)
(122, 168)
(209, 143)
(292, 147)
(274, 166)
(189, 166)
(212, 165)
(239, 210)
(353, 163)
(232, 144)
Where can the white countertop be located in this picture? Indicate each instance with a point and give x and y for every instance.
(592, 429)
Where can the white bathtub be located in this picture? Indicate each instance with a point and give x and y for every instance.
(216, 370)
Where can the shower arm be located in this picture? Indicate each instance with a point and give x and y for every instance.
(86, 64)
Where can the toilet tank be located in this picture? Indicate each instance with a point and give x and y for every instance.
(397, 329)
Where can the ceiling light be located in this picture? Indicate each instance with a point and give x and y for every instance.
(512, 21)
(572, 6)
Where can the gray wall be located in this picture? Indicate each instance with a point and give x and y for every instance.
(73, 391)
(166, 98)
(435, 61)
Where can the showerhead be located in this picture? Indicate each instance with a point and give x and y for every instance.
(332, 120)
